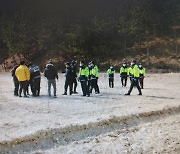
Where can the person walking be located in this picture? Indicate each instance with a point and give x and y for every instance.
(23, 75)
(69, 79)
(36, 79)
(130, 73)
(15, 80)
(124, 74)
(142, 75)
(111, 73)
(83, 75)
(74, 71)
(51, 74)
(135, 79)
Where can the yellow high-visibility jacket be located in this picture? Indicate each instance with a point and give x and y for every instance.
(142, 71)
(22, 73)
(136, 72)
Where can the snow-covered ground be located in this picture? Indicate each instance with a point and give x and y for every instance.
(108, 122)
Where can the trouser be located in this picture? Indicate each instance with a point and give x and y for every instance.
(53, 83)
(134, 83)
(68, 84)
(93, 85)
(130, 78)
(84, 87)
(141, 81)
(30, 82)
(111, 82)
(36, 90)
(89, 85)
(23, 87)
(97, 86)
(124, 80)
(74, 85)
(16, 86)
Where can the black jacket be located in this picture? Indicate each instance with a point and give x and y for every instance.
(50, 72)
(13, 70)
(69, 74)
(74, 71)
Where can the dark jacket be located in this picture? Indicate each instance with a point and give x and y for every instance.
(13, 70)
(50, 72)
(35, 72)
(69, 74)
(74, 71)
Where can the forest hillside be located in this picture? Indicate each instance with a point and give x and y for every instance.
(106, 31)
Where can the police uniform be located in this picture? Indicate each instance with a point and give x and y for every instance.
(142, 75)
(93, 79)
(135, 79)
(83, 75)
(124, 75)
(111, 73)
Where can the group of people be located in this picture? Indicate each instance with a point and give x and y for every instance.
(136, 74)
(25, 76)
(29, 75)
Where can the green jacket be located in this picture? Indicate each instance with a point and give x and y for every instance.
(123, 71)
(111, 73)
(94, 72)
(142, 72)
(135, 71)
(130, 71)
(84, 72)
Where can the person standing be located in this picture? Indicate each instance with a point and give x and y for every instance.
(74, 71)
(93, 78)
(97, 91)
(135, 79)
(23, 75)
(51, 74)
(36, 79)
(142, 75)
(15, 80)
(83, 75)
(111, 73)
(124, 74)
(69, 79)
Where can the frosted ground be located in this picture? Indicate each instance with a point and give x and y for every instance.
(105, 123)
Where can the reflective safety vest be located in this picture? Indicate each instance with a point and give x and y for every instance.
(123, 71)
(84, 71)
(96, 67)
(142, 71)
(111, 72)
(94, 73)
(130, 71)
(136, 72)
